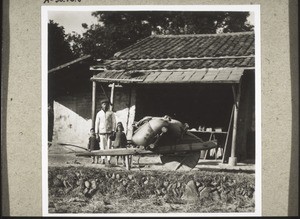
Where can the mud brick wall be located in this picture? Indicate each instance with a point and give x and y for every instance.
(124, 106)
(72, 119)
(72, 114)
(171, 186)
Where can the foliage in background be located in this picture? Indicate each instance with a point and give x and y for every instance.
(59, 49)
(118, 30)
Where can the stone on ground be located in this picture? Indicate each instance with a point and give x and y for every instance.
(191, 193)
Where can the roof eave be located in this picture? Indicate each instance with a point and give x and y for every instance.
(131, 81)
(69, 63)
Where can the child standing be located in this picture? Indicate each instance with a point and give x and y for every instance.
(120, 140)
(93, 145)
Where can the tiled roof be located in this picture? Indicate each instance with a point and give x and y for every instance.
(182, 46)
(178, 63)
(163, 54)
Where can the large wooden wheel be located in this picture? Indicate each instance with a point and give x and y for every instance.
(182, 162)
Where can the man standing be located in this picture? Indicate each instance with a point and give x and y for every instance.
(105, 124)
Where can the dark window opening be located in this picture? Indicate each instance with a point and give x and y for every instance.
(206, 105)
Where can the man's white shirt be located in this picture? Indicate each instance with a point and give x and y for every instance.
(105, 122)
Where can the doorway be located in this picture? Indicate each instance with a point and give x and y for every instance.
(206, 105)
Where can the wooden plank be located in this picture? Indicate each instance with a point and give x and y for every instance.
(133, 75)
(139, 75)
(221, 78)
(236, 74)
(93, 104)
(123, 75)
(180, 148)
(187, 75)
(162, 77)
(238, 71)
(186, 147)
(152, 76)
(208, 78)
(116, 152)
(104, 74)
(99, 75)
(223, 74)
(234, 77)
(199, 74)
(115, 74)
(210, 75)
(118, 80)
(175, 76)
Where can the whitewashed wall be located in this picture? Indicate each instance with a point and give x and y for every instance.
(72, 115)
(70, 127)
(124, 106)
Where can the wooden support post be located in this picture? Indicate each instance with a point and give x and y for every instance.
(207, 151)
(130, 160)
(127, 162)
(128, 114)
(111, 107)
(93, 104)
(227, 135)
(233, 159)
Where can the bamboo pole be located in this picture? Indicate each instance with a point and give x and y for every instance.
(227, 135)
(93, 104)
(111, 107)
(233, 159)
(207, 151)
(128, 114)
(170, 149)
(127, 162)
(104, 92)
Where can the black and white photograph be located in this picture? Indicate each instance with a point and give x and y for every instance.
(151, 110)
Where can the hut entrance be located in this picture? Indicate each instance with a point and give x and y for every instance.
(205, 105)
(198, 105)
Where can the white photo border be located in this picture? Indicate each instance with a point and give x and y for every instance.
(44, 51)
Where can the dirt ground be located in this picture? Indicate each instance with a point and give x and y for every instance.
(65, 156)
(119, 205)
(63, 161)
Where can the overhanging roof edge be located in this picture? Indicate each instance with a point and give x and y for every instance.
(69, 63)
(233, 76)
